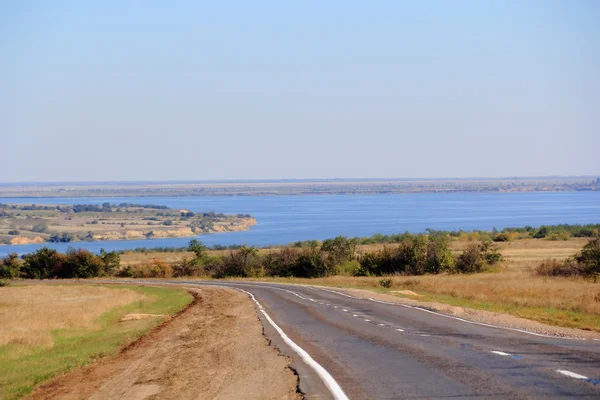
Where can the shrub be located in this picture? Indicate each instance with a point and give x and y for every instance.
(471, 260)
(189, 267)
(159, 269)
(386, 283)
(552, 267)
(561, 235)
(42, 263)
(350, 268)
(39, 228)
(589, 258)
(4, 283)
(79, 263)
(13, 232)
(10, 267)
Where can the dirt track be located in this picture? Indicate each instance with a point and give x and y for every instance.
(214, 350)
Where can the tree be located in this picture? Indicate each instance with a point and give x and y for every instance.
(338, 251)
(198, 248)
(80, 263)
(10, 266)
(42, 263)
(111, 260)
(589, 258)
(439, 255)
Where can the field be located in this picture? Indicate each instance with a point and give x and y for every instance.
(46, 330)
(22, 224)
(512, 288)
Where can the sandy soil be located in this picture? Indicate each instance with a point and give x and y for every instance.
(213, 350)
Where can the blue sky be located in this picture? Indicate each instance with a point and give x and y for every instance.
(149, 90)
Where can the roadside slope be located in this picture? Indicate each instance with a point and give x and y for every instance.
(214, 350)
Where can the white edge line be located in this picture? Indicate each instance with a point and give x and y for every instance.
(325, 376)
(572, 374)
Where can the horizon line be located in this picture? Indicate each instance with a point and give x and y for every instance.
(291, 180)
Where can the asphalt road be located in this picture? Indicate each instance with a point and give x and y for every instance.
(387, 351)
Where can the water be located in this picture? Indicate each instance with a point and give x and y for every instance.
(286, 219)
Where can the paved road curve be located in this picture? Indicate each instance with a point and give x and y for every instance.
(375, 350)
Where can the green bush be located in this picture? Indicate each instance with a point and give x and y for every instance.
(589, 258)
(386, 283)
(10, 267)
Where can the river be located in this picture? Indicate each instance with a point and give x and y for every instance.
(285, 219)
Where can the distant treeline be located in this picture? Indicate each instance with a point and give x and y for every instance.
(548, 232)
(414, 255)
(48, 263)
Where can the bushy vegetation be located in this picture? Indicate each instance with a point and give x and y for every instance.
(411, 255)
(585, 263)
(548, 232)
(48, 263)
(414, 255)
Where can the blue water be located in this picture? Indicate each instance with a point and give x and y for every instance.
(285, 219)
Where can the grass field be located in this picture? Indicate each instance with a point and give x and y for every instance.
(46, 330)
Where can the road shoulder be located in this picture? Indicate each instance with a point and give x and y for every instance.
(213, 350)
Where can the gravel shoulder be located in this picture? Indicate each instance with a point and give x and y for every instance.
(481, 316)
(213, 350)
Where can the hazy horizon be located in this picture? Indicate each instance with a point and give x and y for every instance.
(192, 91)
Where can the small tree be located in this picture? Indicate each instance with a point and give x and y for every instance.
(111, 261)
(589, 258)
(42, 263)
(10, 267)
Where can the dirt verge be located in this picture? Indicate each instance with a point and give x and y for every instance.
(213, 350)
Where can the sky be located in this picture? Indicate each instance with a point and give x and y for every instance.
(223, 90)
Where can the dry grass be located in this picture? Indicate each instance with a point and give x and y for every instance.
(29, 314)
(570, 302)
(511, 288)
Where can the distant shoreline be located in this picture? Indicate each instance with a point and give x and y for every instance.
(299, 187)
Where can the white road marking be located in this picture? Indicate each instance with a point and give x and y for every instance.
(400, 330)
(354, 315)
(572, 374)
(500, 353)
(344, 310)
(332, 385)
(367, 320)
(381, 324)
(471, 322)
(424, 334)
(335, 307)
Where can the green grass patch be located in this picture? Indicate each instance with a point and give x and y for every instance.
(23, 367)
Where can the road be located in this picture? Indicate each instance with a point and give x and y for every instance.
(377, 350)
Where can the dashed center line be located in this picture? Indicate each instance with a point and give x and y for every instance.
(572, 374)
(502, 353)
(344, 310)
(381, 324)
(354, 315)
(400, 330)
(367, 320)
